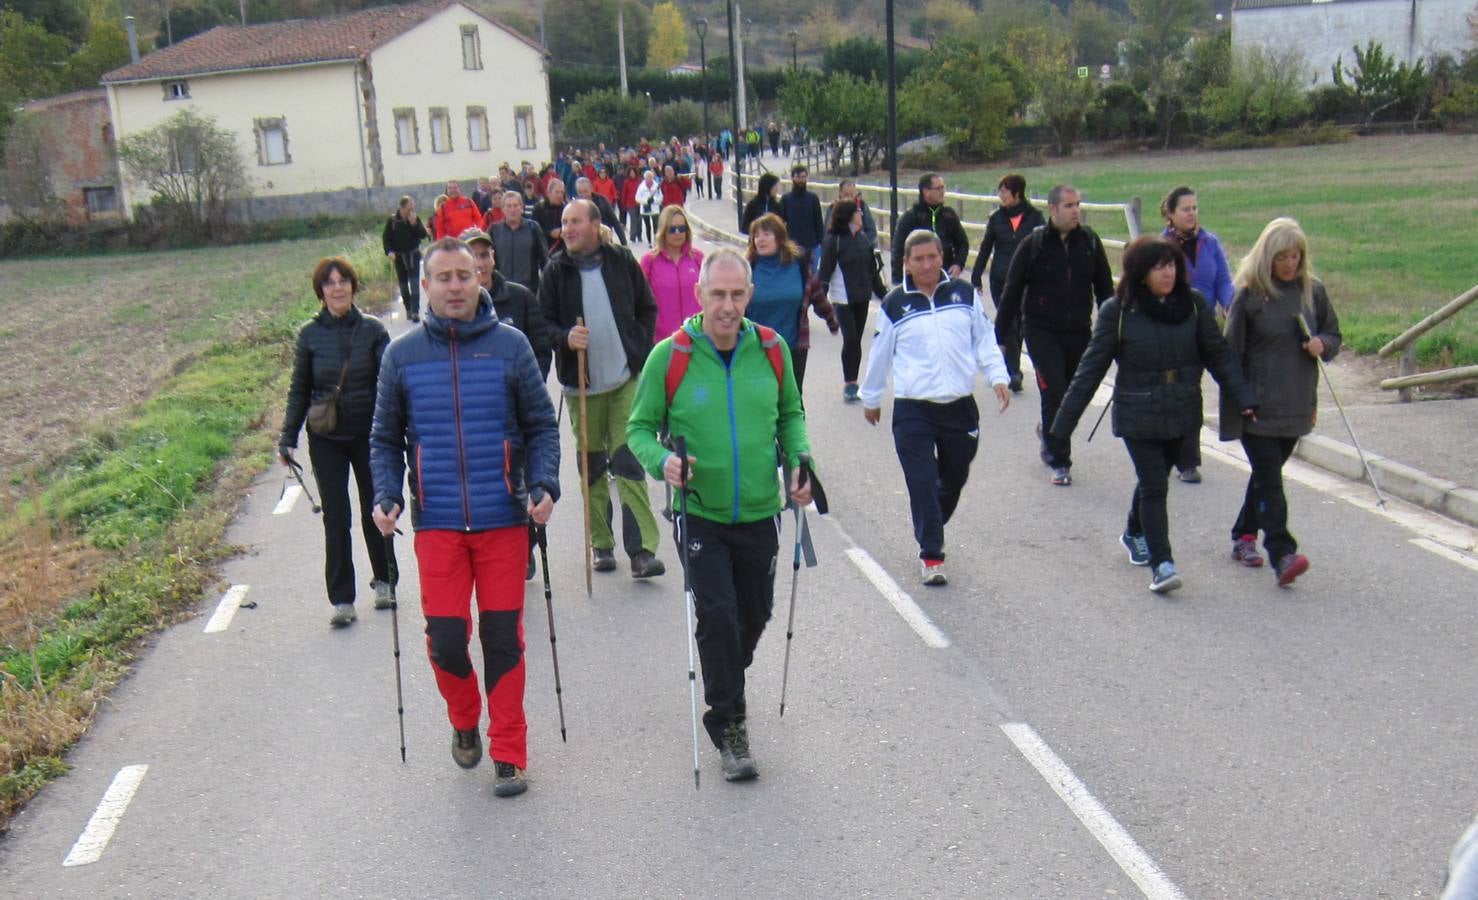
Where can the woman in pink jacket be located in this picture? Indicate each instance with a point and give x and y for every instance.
(672, 271)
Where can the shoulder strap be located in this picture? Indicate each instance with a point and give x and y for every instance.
(682, 357)
(770, 343)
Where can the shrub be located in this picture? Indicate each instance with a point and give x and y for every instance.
(678, 119)
(1120, 112)
(1459, 107)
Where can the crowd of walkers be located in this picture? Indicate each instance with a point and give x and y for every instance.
(534, 270)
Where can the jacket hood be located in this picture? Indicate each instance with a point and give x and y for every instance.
(441, 328)
(348, 320)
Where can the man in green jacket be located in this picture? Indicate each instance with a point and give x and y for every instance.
(730, 410)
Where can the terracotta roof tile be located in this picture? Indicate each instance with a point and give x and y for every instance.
(228, 48)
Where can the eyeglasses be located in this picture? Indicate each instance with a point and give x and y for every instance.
(336, 283)
(677, 229)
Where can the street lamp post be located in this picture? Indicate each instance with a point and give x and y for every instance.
(701, 26)
(795, 39)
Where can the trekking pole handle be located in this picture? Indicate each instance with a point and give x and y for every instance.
(803, 471)
(536, 495)
(386, 505)
(680, 447)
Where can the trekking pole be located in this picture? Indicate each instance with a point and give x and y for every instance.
(1100, 419)
(795, 577)
(385, 506)
(584, 442)
(690, 601)
(1380, 498)
(296, 468)
(538, 532)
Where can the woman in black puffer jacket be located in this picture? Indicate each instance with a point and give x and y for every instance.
(851, 277)
(1162, 334)
(340, 334)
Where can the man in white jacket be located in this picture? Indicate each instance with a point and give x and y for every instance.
(932, 339)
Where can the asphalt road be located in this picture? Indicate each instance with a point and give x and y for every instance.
(1042, 727)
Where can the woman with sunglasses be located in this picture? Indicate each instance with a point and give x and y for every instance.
(671, 268)
(337, 361)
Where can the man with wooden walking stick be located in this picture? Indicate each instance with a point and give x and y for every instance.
(597, 305)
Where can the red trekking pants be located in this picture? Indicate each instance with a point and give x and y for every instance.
(452, 563)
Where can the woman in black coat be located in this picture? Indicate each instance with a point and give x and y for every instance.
(849, 271)
(402, 239)
(1162, 334)
(1280, 325)
(337, 360)
(763, 201)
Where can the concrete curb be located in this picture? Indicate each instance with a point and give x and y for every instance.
(1397, 479)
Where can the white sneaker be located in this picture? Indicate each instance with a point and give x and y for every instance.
(933, 573)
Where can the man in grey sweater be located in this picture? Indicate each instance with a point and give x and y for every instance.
(594, 298)
(519, 246)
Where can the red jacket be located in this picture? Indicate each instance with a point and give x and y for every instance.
(674, 190)
(628, 193)
(457, 215)
(605, 187)
(493, 217)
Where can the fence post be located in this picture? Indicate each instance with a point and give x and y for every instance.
(1133, 211)
(1407, 366)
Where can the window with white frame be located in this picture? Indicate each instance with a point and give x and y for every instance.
(477, 128)
(176, 90)
(271, 142)
(407, 134)
(471, 48)
(523, 127)
(441, 130)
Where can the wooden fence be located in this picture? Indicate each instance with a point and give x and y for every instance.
(1408, 377)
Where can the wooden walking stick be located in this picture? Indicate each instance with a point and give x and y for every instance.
(584, 445)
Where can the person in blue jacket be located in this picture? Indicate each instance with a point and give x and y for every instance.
(1209, 275)
(461, 400)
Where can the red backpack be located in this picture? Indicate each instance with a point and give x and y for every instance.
(682, 356)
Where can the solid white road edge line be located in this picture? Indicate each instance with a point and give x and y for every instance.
(1100, 823)
(289, 497)
(94, 838)
(220, 620)
(901, 602)
(1446, 552)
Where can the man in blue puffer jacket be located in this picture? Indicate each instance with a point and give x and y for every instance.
(461, 399)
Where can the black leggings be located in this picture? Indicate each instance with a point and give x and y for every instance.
(853, 318)
(1147, 513)
(1265, 508)
(408, 274)
(332, 462)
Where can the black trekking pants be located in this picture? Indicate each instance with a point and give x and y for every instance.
(853, 318)
(936, 442)
(1011, 347)
(1055, 356)
(1148, 515)
(332, 461)
(408, 274)
(732, 571)
(1265, 507)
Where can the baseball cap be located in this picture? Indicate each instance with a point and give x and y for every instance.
(473, 235)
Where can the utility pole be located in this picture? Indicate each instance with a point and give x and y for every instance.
(892, 133)
(621, 45)
(734, 83)
(700, 25)
(243, 11)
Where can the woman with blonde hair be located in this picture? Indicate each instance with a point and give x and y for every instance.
(672, 268)
(784, 287)
(1280, 325)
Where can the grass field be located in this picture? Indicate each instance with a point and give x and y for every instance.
(1392, 221)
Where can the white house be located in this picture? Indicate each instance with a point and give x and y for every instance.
(338, 113)
(1325, 30)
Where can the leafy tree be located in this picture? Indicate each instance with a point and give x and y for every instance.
(1120, 113)
(584, 31)
(948, 18)
(860, 56)
(1265, 93)
(842, 106)
(1380, 83)
(822, 28)
(63, 18)
(1096, 33)
(31, 58)
(1156, 54)
(961, 90)
(193, 166)
(678, 119)
(605, 117)
(668, 44)
(105, 49)
(25, 183)
(1060, 98)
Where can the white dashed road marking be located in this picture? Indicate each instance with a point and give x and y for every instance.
(220, 620)
(94, 838)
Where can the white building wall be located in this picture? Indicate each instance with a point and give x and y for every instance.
(1323, 32)
(423, 68)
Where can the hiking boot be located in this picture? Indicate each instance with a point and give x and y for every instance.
(1191, 475)
(1062, 476)
(510, 780)
(384, 594)
(1290, 567)
(467, 747)
(646, 565)
(733, 753)
(604, 559)
(1166, 578)
(849, 392)
(933, 572)
(1244, 551)
(1138, 547)
(343, 615)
